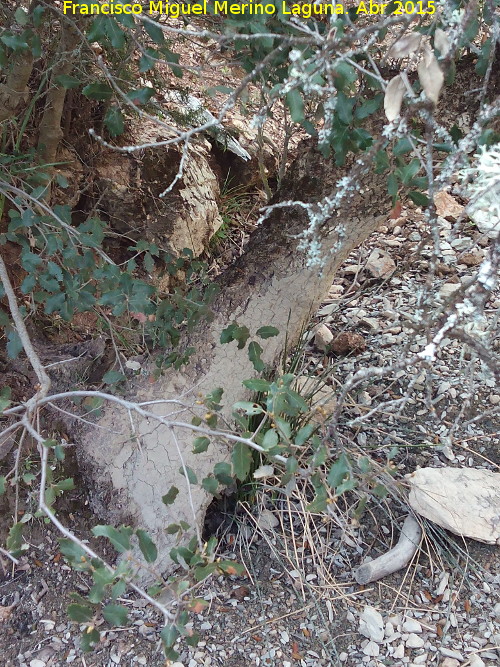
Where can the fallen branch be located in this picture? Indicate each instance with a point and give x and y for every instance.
(396, 558)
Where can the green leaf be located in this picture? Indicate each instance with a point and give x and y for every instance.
(270, 439)
(120, 538)
(14, 344)
(66, 81)
(409, 171)
(5, 401)
(155, 32)
(79, 613)
(257, 384)
(339, 470)
(295, 103)
(21, 16)
(37, 15)
(89, 640)
(319, 502)
(14, 42)
(148, 263)
(62, 181)
(147, 546)
(73, 553)
(191, 476)
(347, 485)
(380, 490)
(230, 567)
(141, 95)
(50, 496)
(267, 332)
(344, 108)
(98, 91)
(115, 614)
(112, 377)
(200, 445)
(169, 634)
(368, 107)
(303, 434)
(172, 60)
(114, 33)
(284, 427)
(2, 485)
(392, 185)
(228, 334)
(419, 198)
(248, 407)
(15, 537)
(118, 589)
(114, 121)
(254, 352)
(402, 147)
(172, 528)
(205, 571)
(210, 485)
(66, 484)
(364, 464)
(170, 497)
(222, 472)
(242, 460)
(242, 334)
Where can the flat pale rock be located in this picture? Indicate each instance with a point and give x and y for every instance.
(465, 501)
(447, 206)
(371, 625)
(380, 264)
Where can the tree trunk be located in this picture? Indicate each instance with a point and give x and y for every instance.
(269, 285)
(50, 132)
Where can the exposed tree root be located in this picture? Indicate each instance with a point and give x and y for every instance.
(396, 558)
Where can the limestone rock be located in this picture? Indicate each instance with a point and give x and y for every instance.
(447, 206)
(371, 624)
(380, 264)
(322, 337)
(465, 501)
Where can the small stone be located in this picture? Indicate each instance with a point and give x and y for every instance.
(420, 659)
(380, 264)
(414, 641)
(322, 337)
(411, 625)
(471, 259)
(449, 653)
(475, 661)
(372, 649)
(343, 656)
(447, 206)
(450, 662)
(399, 651)
(37, 663)
(371, 624)
(448, 289)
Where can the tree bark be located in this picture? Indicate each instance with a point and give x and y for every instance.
(50, 132)
(14, 92)
(270, 284)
